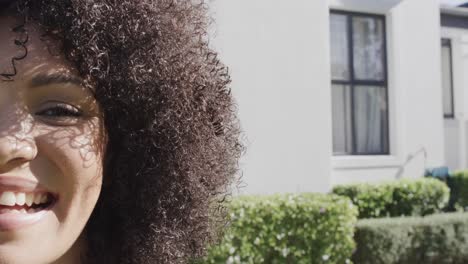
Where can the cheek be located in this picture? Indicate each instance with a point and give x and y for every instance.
(70, 163)
(71, 151)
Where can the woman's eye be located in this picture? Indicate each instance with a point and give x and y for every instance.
(60, 111)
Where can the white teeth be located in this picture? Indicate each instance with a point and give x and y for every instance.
(37, 198)
(31, 210)
(8, 198)
(29, 199)
(20, 198)
(43, 198)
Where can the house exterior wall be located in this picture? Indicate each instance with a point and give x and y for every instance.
(418, 51)
(278, 55)
(456, 129)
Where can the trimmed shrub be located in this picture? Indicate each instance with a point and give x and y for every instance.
(403, 197)
(418, 197)
(301, 228)
(372, 200)
(458, 184)
(441, 238)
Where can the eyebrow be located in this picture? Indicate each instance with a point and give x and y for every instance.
(55, 78)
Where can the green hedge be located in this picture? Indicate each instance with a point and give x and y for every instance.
(302, 228)
(440, 239)
(419, 197)
(403, 197)
(372, 200)
(458, 183)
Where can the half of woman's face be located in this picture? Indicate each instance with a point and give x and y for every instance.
(50, 151)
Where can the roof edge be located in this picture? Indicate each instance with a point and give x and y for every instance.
(454, 11)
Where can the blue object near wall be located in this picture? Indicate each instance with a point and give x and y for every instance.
(438, 172)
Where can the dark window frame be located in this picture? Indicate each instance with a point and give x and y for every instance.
(353, 82)
(447, 42)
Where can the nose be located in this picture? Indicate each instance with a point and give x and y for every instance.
(17, 145)
(16, 150)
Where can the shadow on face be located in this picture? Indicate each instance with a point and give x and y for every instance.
(51, 135)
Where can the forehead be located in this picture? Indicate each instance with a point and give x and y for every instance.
(43, 53)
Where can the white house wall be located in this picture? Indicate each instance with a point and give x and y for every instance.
(278, 54)
(416, 38)
(456, 129)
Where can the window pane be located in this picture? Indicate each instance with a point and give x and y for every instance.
(339, 47)
(341, 114)
(370, 116)
(447, 79)
(368, 40)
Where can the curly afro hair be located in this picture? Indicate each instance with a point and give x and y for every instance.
(172, 132)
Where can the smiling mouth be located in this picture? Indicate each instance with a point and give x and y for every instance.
(21, 202)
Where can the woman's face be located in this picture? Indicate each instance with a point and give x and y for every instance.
(50, 151)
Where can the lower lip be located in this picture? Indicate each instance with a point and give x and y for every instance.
(12, 221)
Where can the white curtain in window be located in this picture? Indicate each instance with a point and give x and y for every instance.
(370, 113)
(341, 113)
(359, 107)
(447, 81)
(339, 47)
(368, 48)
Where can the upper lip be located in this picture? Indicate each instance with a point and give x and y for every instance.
(19, 184)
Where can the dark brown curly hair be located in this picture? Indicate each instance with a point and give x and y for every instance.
(173, 136)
